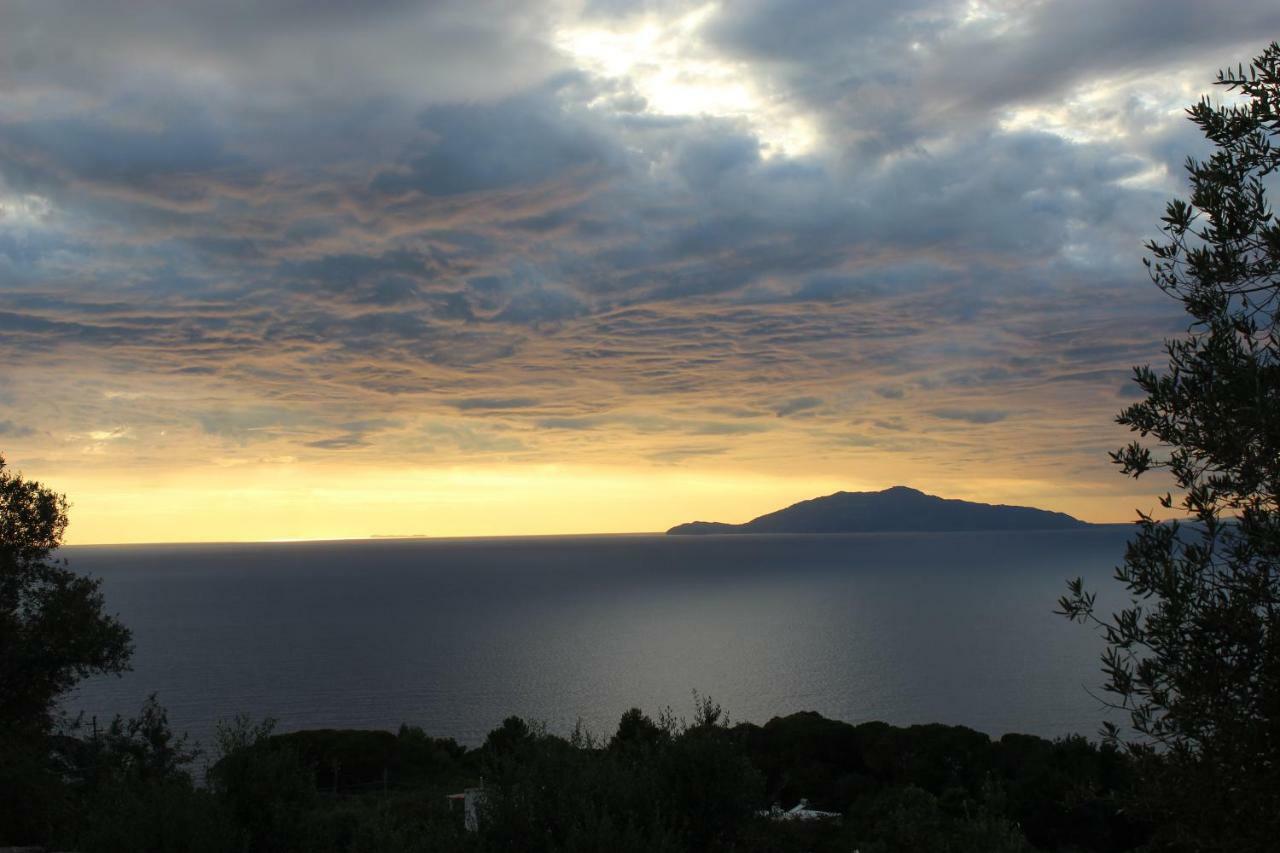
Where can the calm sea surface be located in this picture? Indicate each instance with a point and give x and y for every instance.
(455, 635)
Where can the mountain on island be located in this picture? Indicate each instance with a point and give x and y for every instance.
(899, 509)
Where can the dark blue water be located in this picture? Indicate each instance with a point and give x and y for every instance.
(454, 635)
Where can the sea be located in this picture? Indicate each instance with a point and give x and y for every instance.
(454, 635)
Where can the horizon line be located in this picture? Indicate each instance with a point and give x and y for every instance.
(375, 537)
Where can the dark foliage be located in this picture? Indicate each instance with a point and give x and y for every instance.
(1195, 658)
(132, 790)
(53, 633)
(655, 785)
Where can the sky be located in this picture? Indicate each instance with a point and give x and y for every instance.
(320, 269)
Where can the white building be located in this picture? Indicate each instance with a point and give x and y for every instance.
(470, 799)
(799, 812)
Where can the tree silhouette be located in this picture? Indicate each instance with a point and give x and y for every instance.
(53, 631)
(1194, 658)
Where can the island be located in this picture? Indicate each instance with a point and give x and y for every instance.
(898, 509)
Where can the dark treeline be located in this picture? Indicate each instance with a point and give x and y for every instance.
(663, 784)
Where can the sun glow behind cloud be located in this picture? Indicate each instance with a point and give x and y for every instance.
(672, 69)
(21, 211)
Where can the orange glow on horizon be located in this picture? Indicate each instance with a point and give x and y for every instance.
(290, 503)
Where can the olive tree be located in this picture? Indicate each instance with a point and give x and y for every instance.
(1194, 656)
(53, 629)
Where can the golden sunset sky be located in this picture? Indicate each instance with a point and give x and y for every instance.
(312, 269)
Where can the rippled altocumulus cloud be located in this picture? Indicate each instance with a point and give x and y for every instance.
(432, 232)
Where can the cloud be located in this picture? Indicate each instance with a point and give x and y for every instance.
(857, 65)
(678, 455)
(503, 247)
(486, 147)
(471, 404)
(176, 164)
(452, 49)
(970, 416)
(346, 441)
(11, 430)
(472, 440)
(797, 405)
